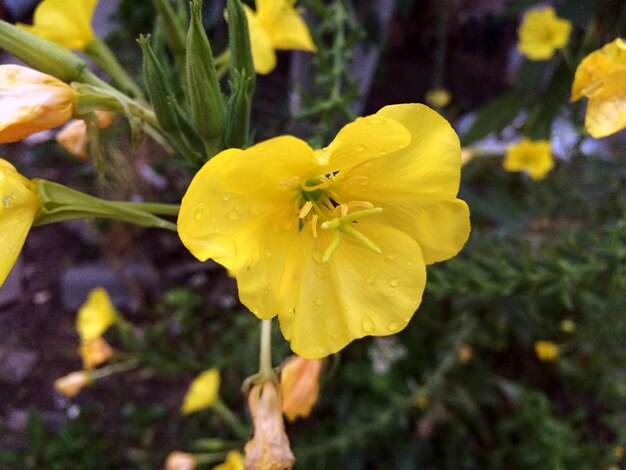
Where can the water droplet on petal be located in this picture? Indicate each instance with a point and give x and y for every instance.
(409, 263)
(406, 319)
(226, 198)
(233, 215)
(393, 326)
(360, 148)
(391, 257)
(369, 280)
(267, 254)
(253, 211)
(367, 324)
(375, 120)
(394, 282)
(335, 336)
(5, 202)
(198, 212)
(318, 301)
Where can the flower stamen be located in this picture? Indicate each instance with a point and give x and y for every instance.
(334, 243)
(306, 208)
(349, 218)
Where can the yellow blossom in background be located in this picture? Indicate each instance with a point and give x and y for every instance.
(19, 203)
(72, 383)
(465, 353)
(180, 461)
(438, 98)
(276, 24)
(300, 385)
(73, 137)
(533, 157)
(568, 326)
(269, 447)
(421, 402)
(234, 461)
(67, 24)
(546, 350)
(334, 241)
(541, 33)
(619, 452)
(31, 101)
(95, 352)
(96, 315)
(202, 393)
(601, 77)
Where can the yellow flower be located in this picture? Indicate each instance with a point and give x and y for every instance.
(202, 393)
(269, 447)
(180, 461)
(73, 137)
(334, 241)
(601, 77)
(19, 203)
(72, 383)
(96, 315)
(65, 25)
(533, 157)
(234, 461)
(546, 350)
(30, 102)
(541, 33)
(276, 24)
(300, 384)
(438, 97)
(95, 352)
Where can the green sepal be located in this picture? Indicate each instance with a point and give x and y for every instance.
(174, 30)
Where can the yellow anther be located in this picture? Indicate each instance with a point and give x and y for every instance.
(363, 204)
(306, 208)
(314, 221)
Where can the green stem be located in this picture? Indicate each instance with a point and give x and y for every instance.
(266, 372)
(152, 207)
(114, 369)
(227, 415)
(99, 52)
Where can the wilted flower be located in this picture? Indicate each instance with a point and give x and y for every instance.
(541, 33)
(546, 350)
(94, 352)
(96, 315)
(276, 24)
(533, 157)
(66, 25)
(74, 138)
(72, 383)
(269, 447)
(601, 77)
(19, 203)
(31, 101)
(300, 385)
(180, 461)
(335, 241)
(234, 461)
(203, 392)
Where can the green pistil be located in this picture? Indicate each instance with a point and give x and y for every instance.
(345, 224)
(339, 221)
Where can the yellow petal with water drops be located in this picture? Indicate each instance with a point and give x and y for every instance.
(19, 204)
(291, 32)
(364, 139)
(240, 210)
(203, 392)
(606, 110)
(263, 54)
(64, 25)
(324, 306)
(96, 315)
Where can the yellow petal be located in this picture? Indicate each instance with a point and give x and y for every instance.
(19, 203)
(289, 31)
(263, 54)
(590, 72)
(606, 110)
(533, 157)
(234, 461)
(67, 26)
(203, 392)
(300, 384)
(240, 210)
(324, 306)
(95, 352)
(96, 315)
(417, 186)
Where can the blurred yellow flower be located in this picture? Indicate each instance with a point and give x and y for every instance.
(601, 77)
(202, 393)
(19, 203)
(300, 385)
(533, 157)
(31, 101)
(64, 24)
(438, 98)
(73, 137)
(269, 447)
(72, 383)
(180, 461)
(234, 461)
(96, 315)
(335, 241)
(546, 350)
(541, 33)
(619, 452)
(95, 352)
(276, 24)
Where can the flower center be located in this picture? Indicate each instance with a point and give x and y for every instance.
(320, 203)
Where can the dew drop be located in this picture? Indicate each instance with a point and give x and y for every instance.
(267, 254)
(253, 211)
(367, 324)
(409, 263)
(197, 213)
(226, 198)
(375, 120)
(391, 257)
(369, 280)
(393, 326)
(5, 202)
(360, 148)
(318, 301)
(334, 336)
(266, 292)
(233, 215)
(406, 319)
(394, 282)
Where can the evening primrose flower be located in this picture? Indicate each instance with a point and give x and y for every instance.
(96, 315)
(202, 393)
(601, 77)
(333, 241)
(74, 138)
(533, 157)
(234, 461)
(546, 350)
(541, 33)
(31, 101)
(19, 203)
(95, 352)
(276, 24)
(300, 384)
(65, 25)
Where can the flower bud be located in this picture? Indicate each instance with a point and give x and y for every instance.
(72, 383)
(203, 392)
(96, 315)
(31, 101)
(300, 384)
(95, 352)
